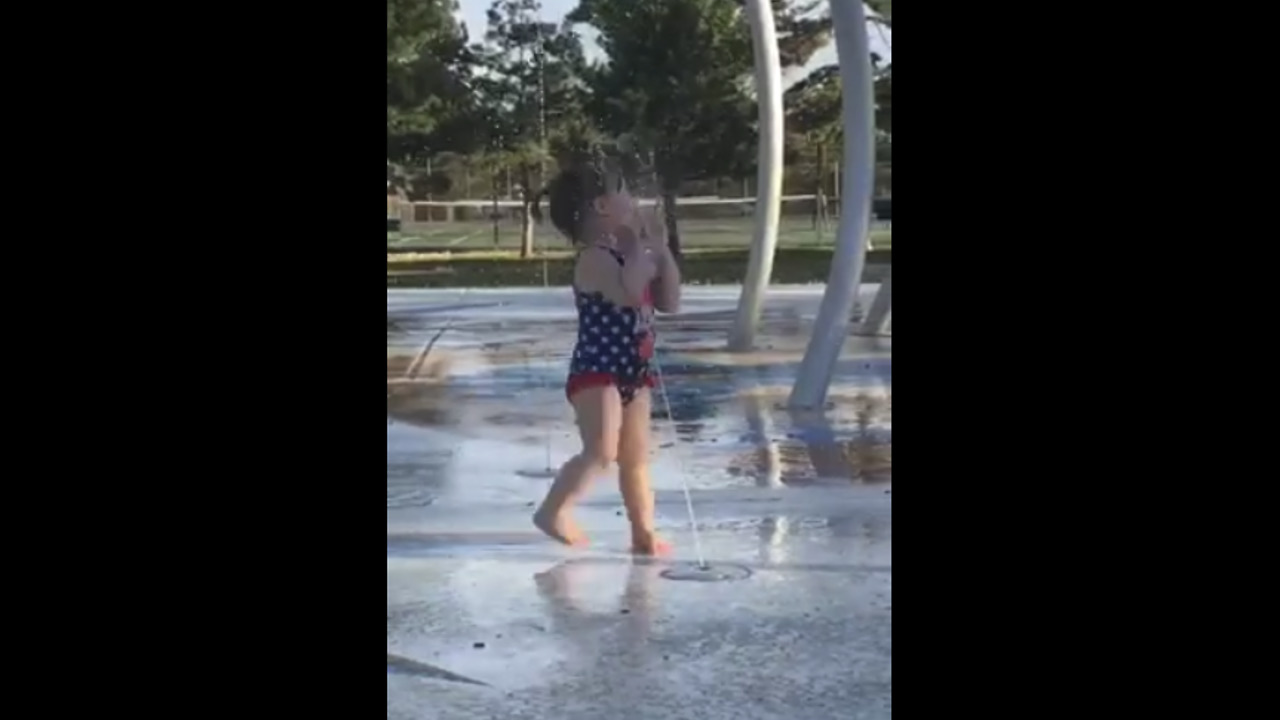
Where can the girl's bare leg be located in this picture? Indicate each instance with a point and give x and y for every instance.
(633, 475)
(599, 416)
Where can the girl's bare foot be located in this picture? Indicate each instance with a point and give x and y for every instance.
(560, 527)
(649, 543)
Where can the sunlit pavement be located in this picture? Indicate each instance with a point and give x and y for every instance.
(488, 619)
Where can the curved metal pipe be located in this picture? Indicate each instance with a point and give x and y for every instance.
(857, 107)
(764, 242)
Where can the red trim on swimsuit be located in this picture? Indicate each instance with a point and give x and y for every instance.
(582, 381)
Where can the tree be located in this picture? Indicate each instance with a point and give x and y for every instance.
(882, 11)
(532, 95)
(429, 104)
(803, 29)
(814, 120)
(677, 83)
(880, 18)
(814, 107)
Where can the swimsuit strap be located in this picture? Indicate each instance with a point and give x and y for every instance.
(614, 252)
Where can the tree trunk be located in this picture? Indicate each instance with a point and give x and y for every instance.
(819, 198)
(430, 183)
(495, 210)
(668, 172)
(526, 214)
(669, 217)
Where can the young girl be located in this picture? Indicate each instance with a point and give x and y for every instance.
(623, 272)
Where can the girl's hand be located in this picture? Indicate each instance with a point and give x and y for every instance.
(651, 227)
(662, 257)
(651, 234)
(637, 251)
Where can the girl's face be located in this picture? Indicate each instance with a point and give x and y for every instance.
(616, 206)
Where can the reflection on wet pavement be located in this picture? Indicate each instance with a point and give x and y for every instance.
(476, 595)
(598, 635)
(502, 381)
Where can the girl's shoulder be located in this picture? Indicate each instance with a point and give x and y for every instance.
(596, 269)
(600, 250)
(598, 256)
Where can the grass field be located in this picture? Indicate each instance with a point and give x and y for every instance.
(463, 237)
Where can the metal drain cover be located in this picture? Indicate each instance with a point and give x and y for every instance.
(547, 474)
(706, 573)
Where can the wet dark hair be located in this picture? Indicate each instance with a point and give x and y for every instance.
(571, 193)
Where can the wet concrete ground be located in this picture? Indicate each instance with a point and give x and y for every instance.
(802, 501)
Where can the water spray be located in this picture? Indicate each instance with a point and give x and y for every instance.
(411, 372)
(684, 474)
(542, 178)
(702, 571)
(546, 286)
(548, 472)
(702, 568)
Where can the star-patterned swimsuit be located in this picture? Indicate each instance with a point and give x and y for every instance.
(614, 343)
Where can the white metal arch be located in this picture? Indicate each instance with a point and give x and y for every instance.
(857, 107)
(853, 51)
(768, 68)
(879, 317)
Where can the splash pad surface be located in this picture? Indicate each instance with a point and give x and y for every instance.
(488, 618)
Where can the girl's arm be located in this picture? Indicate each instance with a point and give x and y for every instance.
(666, 287)
(598, 271)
